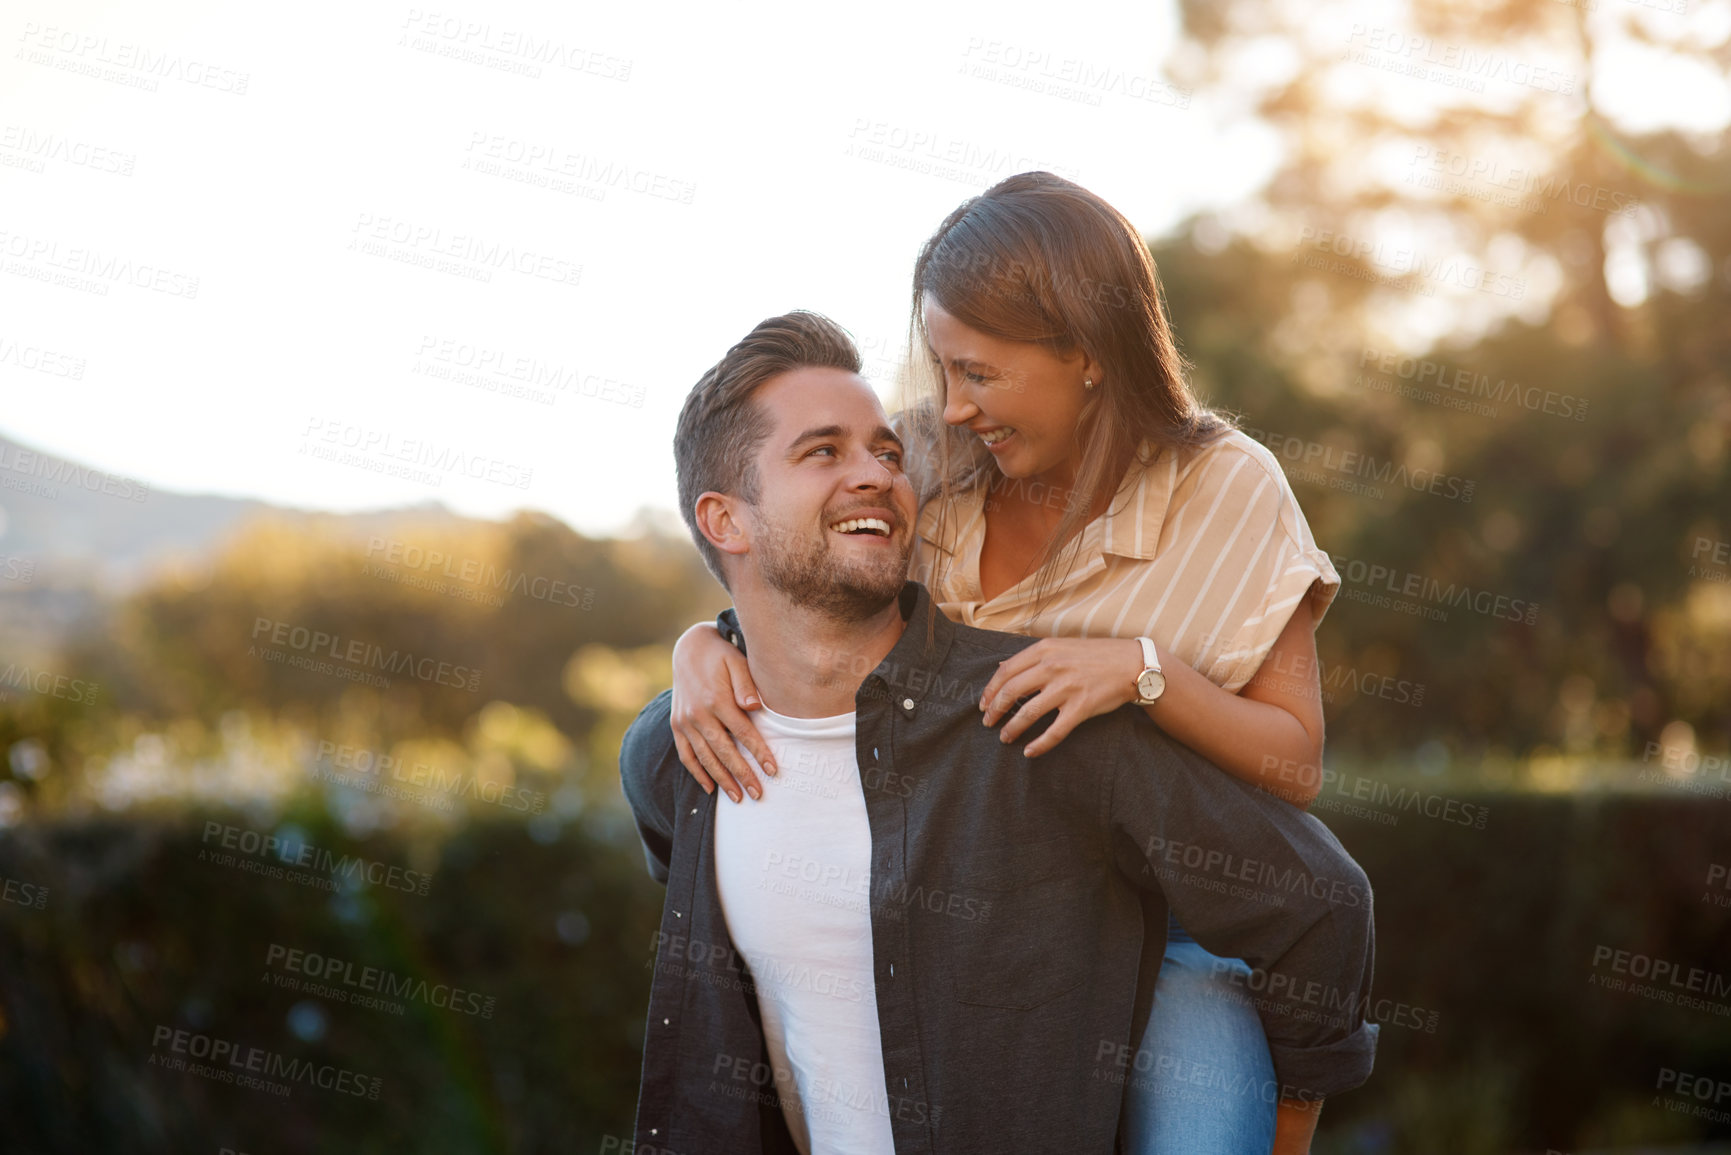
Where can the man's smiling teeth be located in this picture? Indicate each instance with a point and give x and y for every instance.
(996, 435)
(876, 524)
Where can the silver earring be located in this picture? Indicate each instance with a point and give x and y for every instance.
(1087, 382)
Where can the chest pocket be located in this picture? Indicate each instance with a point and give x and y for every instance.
(1036, 907)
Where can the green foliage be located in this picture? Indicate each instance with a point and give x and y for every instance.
(1494, 1038)
(142, 930)
(1594, 521)
(513, 601)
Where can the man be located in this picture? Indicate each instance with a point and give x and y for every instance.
(917, 941)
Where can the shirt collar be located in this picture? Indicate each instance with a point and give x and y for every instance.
(1130, 527)
(914, 650)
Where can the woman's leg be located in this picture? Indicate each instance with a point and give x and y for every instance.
(1203, 1082)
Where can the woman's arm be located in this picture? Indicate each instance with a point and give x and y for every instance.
(1269, 734)
(707, 674)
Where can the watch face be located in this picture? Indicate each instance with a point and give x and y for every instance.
(1150, 684)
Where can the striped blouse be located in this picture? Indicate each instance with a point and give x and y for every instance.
(1205, 550)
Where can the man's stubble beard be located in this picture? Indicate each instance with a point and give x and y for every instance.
(811, 574)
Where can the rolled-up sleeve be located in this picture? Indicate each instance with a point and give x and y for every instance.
(1326, 1068)
(1251, 877)
(1235, 558)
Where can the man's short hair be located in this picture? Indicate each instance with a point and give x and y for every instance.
(722, 428)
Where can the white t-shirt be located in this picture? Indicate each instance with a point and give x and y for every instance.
(794, 873)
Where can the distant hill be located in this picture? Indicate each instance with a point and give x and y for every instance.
(68, 516)
(71, 533)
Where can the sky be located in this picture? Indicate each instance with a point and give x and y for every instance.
(365, 255)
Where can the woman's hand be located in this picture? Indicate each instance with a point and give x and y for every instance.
(708, 674)
(1078, 677)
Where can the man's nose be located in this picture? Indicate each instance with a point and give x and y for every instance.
(872, 473)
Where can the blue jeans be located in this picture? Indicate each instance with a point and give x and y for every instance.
(1203, 1082)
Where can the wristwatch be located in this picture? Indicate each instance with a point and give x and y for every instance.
(1150, 683)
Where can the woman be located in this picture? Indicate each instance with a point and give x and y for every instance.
(1075, 490)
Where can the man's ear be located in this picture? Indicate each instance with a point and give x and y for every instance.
(718, 519)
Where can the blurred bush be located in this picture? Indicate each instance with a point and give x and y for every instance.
(1494, 1037)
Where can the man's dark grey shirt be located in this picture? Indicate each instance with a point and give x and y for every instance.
(1015, 905)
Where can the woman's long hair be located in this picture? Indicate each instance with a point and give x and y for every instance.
(1041, 259)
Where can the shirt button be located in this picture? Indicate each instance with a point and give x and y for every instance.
(667, 1022)
(907, 703)
(694, 810)
(676, 914)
